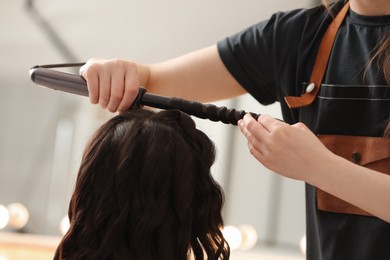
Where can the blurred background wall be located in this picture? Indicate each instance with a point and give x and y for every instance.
(43, 132)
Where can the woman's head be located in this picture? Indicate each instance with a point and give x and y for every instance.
(144, 191)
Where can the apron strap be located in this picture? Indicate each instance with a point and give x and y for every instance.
(320, 64)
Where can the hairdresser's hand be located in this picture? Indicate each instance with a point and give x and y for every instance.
(290, 150)
(111, 83)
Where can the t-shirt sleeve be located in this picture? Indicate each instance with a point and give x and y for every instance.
(264, 55)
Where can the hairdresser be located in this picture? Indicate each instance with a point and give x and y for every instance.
(329, 68)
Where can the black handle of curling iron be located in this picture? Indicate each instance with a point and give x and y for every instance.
(204, 111)
(76, 84)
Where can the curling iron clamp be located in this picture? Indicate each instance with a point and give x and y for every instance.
(44, 75)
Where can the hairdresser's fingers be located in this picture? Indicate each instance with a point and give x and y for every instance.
(279, 133)
(257, 148)
(104, 88)
(116, 90)
(255, 128)
(241, 125)
(270, 123)
(269, 140)
(131, 89)
(253, 132)
(91, 76)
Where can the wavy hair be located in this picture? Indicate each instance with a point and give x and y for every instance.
(144, 191)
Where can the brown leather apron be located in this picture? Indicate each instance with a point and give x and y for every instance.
(370, 152)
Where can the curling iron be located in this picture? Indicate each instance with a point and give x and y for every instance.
(44, 75)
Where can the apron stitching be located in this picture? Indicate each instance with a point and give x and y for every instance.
(371, 99)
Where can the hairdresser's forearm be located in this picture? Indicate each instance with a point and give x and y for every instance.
(365, 188)
(200, 76)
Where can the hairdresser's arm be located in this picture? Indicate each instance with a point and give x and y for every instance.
(295, 152)
(200, 76)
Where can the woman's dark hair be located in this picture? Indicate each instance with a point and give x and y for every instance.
(144, 191)
(382, 58)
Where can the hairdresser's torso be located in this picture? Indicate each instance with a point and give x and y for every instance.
(353, 100)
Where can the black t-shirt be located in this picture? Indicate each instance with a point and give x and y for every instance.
(274, 59)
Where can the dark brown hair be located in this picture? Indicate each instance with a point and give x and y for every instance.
(144, 191)
(381, 57)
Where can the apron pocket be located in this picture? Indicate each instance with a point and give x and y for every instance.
(370, 152)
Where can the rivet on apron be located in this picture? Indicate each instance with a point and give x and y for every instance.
(310, 87)
(356, 157)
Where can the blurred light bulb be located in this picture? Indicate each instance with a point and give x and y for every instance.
(249, 237)
(18, 215)
(233, 237)
(4, 216)
(64, 225)
(302, 245)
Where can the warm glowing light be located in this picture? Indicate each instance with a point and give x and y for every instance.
(249, 237)
(233, 236)
(4, 216)
(18, 215)
(64, 225)
(302, 245)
